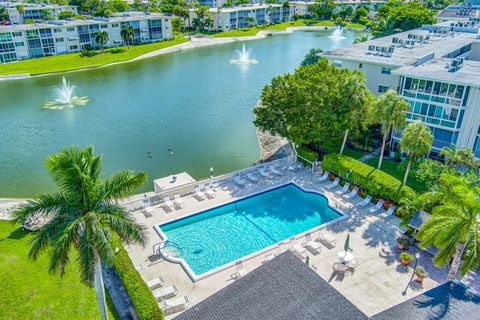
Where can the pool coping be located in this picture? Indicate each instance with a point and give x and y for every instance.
(194, 277)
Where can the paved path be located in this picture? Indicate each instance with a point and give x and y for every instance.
(371, 155)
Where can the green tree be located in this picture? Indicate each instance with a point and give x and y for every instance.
(323, 9)
(452, 157)
(128, 34)
(361, 39)
(177, 25)
(389, 110)
(286, 5)
(47, 14)
(102, 38)
(359, 13)
(66, 15)
(83, 215)
(312, 57)
(250, 21)
(346, 12)
(454, 226)
(316, 103)
(4, 15)
(416, 142)
(21, 11)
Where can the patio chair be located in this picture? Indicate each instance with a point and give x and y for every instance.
(352, 194)
(148, 212)
(365, 201)
(178, 200)
(345, 188)
(263, 173)
(299, 251)
(251, 177)
(172, 306)
(333, 184)
(378, 206)
(239, 181)
(168, 203)
(156, 283)
(388, 213)
(311, 245)
(275, 171)
(352, 265)
(208, 191)
(198, 194)
(165, 293)
(324, 177)
(268, 257)
(240, 271)
(340, 267)
(328, 239)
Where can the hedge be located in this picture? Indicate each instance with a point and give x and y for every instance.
(142, 298)
(376, 182)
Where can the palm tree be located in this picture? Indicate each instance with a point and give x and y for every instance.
(457, 158)
(416, 142)
(451, 155)
(21, 11)
(389, 110)
(128, 34)
(468, 158)
(102, 38)
(454, 226)
(83, 215)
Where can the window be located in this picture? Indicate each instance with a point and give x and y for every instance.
(114, 25)
(360, 65)
(17, 34)
(59, 40)
(57, 30)
(103, 26)
(386, 70)
(382, 88)
(74, 47)
(70, 29)
(19, 44)
(337, 63)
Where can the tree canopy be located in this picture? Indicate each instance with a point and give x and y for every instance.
(315, 103)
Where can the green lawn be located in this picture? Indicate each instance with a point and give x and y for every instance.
(335, 146)
(73, 61)
(279, 26)
(395, 169)
(30, 292)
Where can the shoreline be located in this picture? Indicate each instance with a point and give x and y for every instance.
(195, 42)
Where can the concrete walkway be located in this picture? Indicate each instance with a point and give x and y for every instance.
(370, 155)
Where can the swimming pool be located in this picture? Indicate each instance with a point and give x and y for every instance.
(216, 237)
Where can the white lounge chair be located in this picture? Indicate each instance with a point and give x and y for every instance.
(311, 245)
(268, 257)
(148, 212)
(199, 194)
(333, 184)
(172, 306)
(178, 200)
(240, 271)
(168, 203)
(299, 251)
(210, 193)
(352, 194)
(263, 173)
(365, 201)
(324, 177)
(239, 181)
(156, 283)
(251, 177)
(378, 206)
(328, 239)
(388, 213)
(345, 188)
(165, 293)
(275, 171)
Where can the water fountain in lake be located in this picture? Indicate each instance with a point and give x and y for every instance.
(337, 34)
(65, 97)
(244, 57)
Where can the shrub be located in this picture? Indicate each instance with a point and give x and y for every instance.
(403, 241)
(142, 298)
(421, 272)
(376, 182)
(406, 256)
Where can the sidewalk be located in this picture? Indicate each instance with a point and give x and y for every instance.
(371, 155)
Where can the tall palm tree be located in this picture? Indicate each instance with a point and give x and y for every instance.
(21, 11)
(102, 38)
(416, 142)
(128, 34)
(83, 215)
(468, 158)
(454, 226)
(451, 155)
(389, 110)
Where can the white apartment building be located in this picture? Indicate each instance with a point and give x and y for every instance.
(33, 11)
(27, 41)
(231, 18)
(304, 8)
(436, 69)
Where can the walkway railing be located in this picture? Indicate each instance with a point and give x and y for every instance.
(187, 189)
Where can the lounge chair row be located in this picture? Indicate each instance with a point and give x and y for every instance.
(263, 171)
(314, 245)
(166, 296)
(207, 192)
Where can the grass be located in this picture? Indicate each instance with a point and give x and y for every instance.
(280, 26)
(30, 292)
(395, 169)
(335, 146)
(73, 61)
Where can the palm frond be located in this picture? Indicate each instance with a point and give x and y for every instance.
(44, 205)
(122, 184)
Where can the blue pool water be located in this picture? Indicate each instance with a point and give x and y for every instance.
(215, 237)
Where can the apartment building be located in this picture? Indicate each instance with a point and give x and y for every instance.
(238, 17)
(436, 69)
(18, 42)
(33, 11)
(304, 8)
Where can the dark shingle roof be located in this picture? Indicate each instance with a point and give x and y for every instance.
(449, 301)
(283, 288)
(418, 219)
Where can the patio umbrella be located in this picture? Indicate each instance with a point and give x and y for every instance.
(346, 246)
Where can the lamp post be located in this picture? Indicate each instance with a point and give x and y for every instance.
(417, 256)
(211, 173)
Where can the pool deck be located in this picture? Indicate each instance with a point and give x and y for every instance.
(375, 285)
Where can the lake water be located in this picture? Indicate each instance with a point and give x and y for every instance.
(194, 102)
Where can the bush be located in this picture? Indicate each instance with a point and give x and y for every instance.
(376, 182)
(406, 256)
(142, 298)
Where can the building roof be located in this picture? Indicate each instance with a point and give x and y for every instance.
(283, 288)
(449, 301)
(172, 181)
(418, 219)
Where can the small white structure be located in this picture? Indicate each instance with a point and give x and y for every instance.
(172, 181)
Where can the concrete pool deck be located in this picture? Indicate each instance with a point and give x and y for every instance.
(376, 284)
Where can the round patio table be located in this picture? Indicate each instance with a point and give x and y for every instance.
(345, 257)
